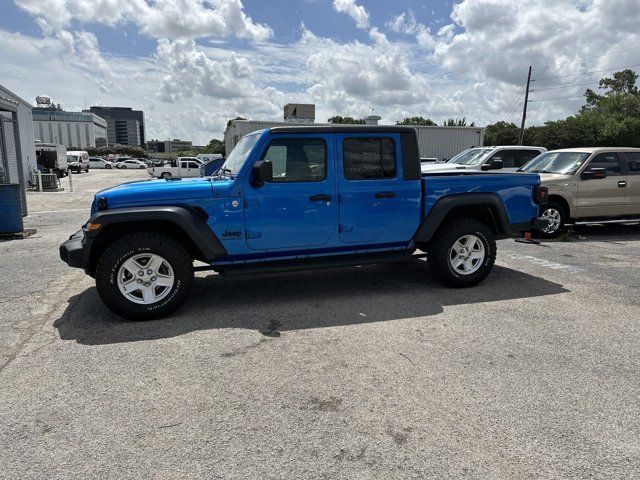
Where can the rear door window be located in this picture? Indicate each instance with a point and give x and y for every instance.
(369, 158)
(608, 161)
(633, 160)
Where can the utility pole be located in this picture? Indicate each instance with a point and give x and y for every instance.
(524, 110)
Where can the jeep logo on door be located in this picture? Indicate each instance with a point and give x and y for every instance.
(233, 235)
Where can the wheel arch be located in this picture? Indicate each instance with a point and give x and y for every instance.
(563, 202)
(485, 207)
(187, 225)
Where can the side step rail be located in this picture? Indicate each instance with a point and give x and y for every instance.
(595, 222)
(316, 263)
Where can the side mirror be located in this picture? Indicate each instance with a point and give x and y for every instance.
(496, 164)
(596, 172)
(262, 172)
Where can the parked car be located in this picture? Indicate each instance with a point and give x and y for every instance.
(78, 160)
(588, 185)
(184, 167)
(97, 162)
(131, 163)
(275, 207)
(501, 158)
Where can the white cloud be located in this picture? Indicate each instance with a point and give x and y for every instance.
(407, 24)
(355, 11)
(161, 18)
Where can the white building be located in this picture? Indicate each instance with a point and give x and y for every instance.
(71, 129)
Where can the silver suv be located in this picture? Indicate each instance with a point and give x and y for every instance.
(589, 185)
(503, 158)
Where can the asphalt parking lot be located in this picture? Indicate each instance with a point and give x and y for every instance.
(371, 372)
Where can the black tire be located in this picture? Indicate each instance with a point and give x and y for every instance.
(124, 167)
(165, 175)
(547, 212)
(142, 243)
(107, 166)
(440, 250)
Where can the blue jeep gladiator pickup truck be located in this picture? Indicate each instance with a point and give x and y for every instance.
(298, 197)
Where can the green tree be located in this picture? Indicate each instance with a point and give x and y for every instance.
(457, 122)
(417, 121)
(346, 120)
(232, 119)
(501, 133)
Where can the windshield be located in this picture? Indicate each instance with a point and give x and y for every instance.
(239, 154)
(473, 156)
(566, 163)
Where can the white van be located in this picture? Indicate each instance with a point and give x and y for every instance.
(78, 161)
(502, 158)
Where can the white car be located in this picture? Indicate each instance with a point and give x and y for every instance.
(184, 167)
(503, 158)
(131, 163)
(97, 162)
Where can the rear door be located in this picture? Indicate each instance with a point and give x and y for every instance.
(298, 209)
(603, 197)
(633, 183)
(370, 185)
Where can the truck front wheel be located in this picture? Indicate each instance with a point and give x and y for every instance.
(144, 276)
(462, 252)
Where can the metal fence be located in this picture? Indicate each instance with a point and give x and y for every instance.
(10, 162)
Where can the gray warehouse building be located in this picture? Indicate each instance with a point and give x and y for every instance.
(17, 144)
(124, 125)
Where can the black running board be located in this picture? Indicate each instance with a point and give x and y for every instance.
(316, 263)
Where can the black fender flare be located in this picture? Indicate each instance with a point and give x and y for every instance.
(192, 221)
(445, 205)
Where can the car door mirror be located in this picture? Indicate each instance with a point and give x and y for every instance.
(262, 172)
(495, 164)
(592, 173)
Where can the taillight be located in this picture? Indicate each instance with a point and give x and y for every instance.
(542, 195)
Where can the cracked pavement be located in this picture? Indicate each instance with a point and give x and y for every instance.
(367, 372)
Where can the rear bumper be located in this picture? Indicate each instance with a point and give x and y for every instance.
(72, 251)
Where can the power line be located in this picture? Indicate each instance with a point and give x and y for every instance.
(556, 98)
(511, 104)
(584, 73)
(563, 86)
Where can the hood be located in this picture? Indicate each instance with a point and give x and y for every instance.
(442, 167)
(159, 191)
(554, 178)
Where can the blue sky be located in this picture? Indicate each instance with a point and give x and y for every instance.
(193, 64)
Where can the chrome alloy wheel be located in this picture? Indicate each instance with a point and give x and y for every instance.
(467, 254)
(145, 278)
(553, 218)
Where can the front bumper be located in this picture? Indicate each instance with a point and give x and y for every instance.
(72, 251)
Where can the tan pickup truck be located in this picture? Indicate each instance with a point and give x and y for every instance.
(589, 185)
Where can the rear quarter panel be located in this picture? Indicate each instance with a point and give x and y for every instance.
(516, 190)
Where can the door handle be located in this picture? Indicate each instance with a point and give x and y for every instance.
(622, 184)
(320, 197)
(385, 195)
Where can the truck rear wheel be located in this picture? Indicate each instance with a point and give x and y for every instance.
(462, 252)
(165, 175)
(144, 276)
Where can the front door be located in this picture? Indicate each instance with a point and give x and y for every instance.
(298, 209)
(603, 197)
(370, 185)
